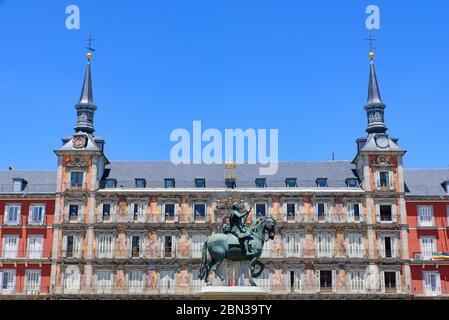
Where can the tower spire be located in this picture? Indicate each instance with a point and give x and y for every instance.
(86, 106)
(374, 106)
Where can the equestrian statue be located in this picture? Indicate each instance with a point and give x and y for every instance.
(237, 243)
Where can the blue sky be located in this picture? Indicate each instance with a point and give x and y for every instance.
(298, 66)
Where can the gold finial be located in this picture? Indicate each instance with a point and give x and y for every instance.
(89, 55)
(371, 55)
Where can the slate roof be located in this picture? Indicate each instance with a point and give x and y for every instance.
(426, 182)
(37, 181)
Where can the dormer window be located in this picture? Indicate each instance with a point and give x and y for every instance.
(169, 183)
(200, 183)
(141, 183)
(19, 184)
(352, 183)
(446, 184)
(76, 179)
(111, 183)
(321, 182)
(230, 183)
(261, 183)
(291, 183)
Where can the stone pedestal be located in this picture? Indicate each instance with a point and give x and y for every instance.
(232, 293)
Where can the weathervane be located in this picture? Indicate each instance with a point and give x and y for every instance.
(89, 47)
(372, 48)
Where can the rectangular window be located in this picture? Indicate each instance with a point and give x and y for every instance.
(10, 246)
(291, 211)
(18, 185)
(321, 209)
(32, 281)
(138, 212)
(8, 281)
(325, 280)
(136, 281)
(168, 247)
(111, 183)
(352, 183)
(385, 213)
(384, 179)
(135, 246)
(324, 245)
(428, 247)
(12, 214)
(35, 246)
(390, 281)
(104, 281)
(169, 183)
(388, 251)
(73, 212)
(199, 211)
(105, 246)
(425, 216)
(200, 183)
(140, 183)
(76, 179)
(354, 210)
(291, 183)
(106, 212)
(261, 183)
(355, 245)
(230, 183)
(432, 283)
(322, 182)
(73, 246)
(37, 214)
(169, 209)
(261, 209)
(71, 279)
(357, 281)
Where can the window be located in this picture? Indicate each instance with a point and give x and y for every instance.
(291, 211)
(18, 185)
(106, 212)
(354, 210)
(322, 211)
(387, 245)
(321, 182)
(324, 244)
(291, 183)
(140, 183)
(138, 212)
(8, 281)
(200, 183)
(384, 178)
(325, 280)
(428, 247)
(357, 281)
(230, 183)
(261, 209)
(32, 281)
(104, 281)
(111, 183)
(105, 246)
(73, 212)
(136, 281)
(136, 246)
(37, 214)
(71, 279)
(352, 183)
(76, 179)
(261, 183)
(169, 183)
(385, 213)
(12, 214)
(168, 247)
(169, 209)
(72, 246)
(10, 246)
(199, 210)
(35, 246)
(390, 281)
(355, 245)
(432, 283)
(425, 216)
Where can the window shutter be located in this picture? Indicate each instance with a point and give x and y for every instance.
(390, 180)
(382, 281)
(377, 213)
(1, 281)
(64, 246)
(284, 211)
(377, 180)
(398, 281)
(19, 214)
(176, 212)
(350, 211)
(162, 242)
(317, 272)
(5, 217)
(394, 214)
(174, 246)
(30, 215)
(334, 277)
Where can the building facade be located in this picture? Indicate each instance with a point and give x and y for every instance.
(137, 229)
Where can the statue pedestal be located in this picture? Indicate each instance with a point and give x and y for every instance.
(232, 293)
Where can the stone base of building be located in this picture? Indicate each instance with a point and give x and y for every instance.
(232, 293)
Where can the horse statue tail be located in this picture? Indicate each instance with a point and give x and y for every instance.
(203, 268)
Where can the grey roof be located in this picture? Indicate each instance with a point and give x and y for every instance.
(90, 146)
(373, 87)
(37, 181)
(87, 95)
(426, 182)
(155, 172)
(371, 145)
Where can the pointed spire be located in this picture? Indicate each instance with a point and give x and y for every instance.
(374, 106)
(86, 106)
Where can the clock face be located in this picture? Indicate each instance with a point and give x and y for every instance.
(382, 142)
(79, 142)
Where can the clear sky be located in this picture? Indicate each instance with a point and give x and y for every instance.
(298, 66)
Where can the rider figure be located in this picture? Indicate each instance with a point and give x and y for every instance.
(237, 226)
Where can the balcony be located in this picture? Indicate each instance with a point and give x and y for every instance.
(390, 254)
(427, 258)
(25, 256)
(74, 218)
